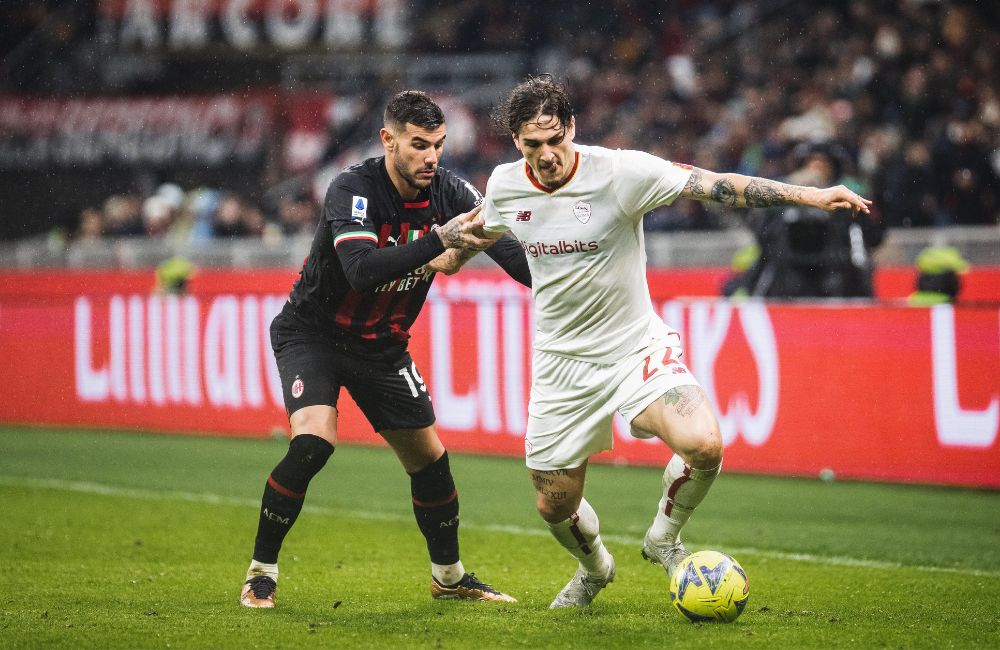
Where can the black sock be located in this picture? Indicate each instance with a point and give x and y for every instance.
(285, 491)
(435, 505)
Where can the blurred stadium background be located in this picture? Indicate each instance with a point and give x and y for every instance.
(232, 115)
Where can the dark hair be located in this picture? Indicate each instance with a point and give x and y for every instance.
(534, 96)
(413, 107)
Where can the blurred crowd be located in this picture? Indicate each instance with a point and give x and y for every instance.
(196, 215)
(898, 99)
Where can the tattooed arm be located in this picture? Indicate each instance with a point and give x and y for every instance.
(738, 191)
(450, 261)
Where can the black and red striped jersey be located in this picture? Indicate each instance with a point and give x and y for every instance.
(365, 279)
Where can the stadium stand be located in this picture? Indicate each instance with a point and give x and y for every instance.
(904, 93)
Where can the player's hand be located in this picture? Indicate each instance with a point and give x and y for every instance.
(465, 231)
(835, 198)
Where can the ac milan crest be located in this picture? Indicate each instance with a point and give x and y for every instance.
(297, 388)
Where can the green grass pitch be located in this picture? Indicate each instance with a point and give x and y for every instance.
(113, 540)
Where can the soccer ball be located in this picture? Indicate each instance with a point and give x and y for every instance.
(709, 586)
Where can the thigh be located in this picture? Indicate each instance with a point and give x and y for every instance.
(558, 492)
(683, 418)
(318, 420)
(390, 392)
(415, 448)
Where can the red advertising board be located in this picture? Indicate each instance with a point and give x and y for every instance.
(883, 392)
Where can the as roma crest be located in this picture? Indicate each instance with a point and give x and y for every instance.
(582, 211)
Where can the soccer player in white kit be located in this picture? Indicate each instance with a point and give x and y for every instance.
(599, 346)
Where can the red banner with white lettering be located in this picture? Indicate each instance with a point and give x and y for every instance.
(880, 392)
(208, 131)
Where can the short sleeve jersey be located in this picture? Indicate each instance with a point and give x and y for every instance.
(585, 247)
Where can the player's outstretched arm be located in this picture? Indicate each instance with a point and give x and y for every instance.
(739, 191)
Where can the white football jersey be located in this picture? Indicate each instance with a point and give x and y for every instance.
(585, 247)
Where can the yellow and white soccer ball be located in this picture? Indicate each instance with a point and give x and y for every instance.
(709, 586)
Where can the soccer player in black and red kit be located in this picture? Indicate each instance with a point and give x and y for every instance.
(388, 225)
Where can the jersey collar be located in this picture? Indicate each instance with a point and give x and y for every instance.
(549, 190)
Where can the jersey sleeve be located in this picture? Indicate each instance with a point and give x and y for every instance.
(347, 207)
(493, 222)
(643, 181)
(508, 253)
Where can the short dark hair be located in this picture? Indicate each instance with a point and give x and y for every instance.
(413, 107)
(541, 95)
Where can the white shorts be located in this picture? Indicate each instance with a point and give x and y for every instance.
(573, 402)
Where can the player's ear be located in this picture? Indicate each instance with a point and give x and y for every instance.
(388, 141)
(517, 143)
(571, 128)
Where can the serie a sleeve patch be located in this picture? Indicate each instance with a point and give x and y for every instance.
(359, 208)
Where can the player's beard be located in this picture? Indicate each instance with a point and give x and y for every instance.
(411, 178)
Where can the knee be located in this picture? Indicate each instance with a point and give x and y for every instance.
(706, 453)
(434, 482)
(554, 511)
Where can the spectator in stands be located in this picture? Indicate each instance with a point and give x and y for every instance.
(970, 187)
(257, 225)
(228, 219)
(157, 216)
(297, 215)
(907, 187)
(122, 217)
(91, 226)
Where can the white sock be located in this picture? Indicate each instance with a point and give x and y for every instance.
(261, 569)
(684, 487)
(448, 574)
(580, 535)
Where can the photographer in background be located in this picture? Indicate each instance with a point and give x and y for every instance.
(809, 253)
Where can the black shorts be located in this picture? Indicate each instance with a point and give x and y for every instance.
(314, 366)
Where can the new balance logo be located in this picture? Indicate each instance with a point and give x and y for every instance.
(523, 215)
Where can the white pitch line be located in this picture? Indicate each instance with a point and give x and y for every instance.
(88, 487)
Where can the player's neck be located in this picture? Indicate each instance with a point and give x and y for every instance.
(406, 191)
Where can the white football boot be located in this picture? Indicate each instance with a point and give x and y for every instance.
(666, 554)
(582, 589)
